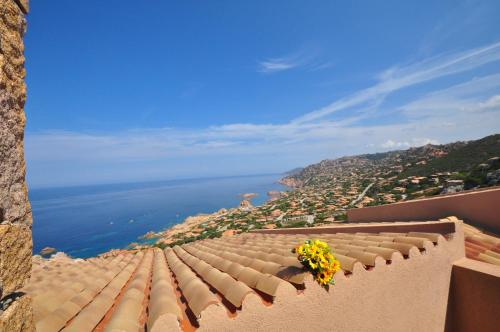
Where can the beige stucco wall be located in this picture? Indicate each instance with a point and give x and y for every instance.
(478, 208)
(474, 300)
(406, 295)
(15, 211)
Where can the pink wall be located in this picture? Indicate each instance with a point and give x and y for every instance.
(481, 208)
(474, 298)
(409, 294)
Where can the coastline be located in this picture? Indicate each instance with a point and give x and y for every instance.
(290, 182)
(169, 235)
(193, 225)
(115, 216)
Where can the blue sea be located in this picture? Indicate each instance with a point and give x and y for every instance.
(88, 220)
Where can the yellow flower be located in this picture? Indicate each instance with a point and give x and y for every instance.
(316, 256)
(312, 263)
(323, 278)
(323, 263)
(334, 267)
(314, 250)
(320, 244)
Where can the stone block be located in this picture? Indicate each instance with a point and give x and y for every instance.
(24, 5)
(15, 257)
(18, 317)
(14, 205)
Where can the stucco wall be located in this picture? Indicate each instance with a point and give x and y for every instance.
(474, 298)
(406, 295)
(15, 211)
(478, 208)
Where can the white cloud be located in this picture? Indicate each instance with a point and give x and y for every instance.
(423, 119)
(397, 78)
(477, 94)
(391, 144)
(321, 65)
(275, 65)
(465, 110)
(491, 103)
(304, 57)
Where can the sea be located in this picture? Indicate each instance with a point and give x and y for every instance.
(88, 220)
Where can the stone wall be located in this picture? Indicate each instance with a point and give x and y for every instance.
(15, 211)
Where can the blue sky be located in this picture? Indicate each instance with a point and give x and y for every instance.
(124, 91)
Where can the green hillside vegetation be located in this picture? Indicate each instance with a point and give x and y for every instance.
(378, 156)
(461, 159)
(328, 189)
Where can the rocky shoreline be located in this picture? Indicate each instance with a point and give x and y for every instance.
(192, 226)
(191, 223)
(291, 182)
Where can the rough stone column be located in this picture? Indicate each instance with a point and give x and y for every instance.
(15, 211)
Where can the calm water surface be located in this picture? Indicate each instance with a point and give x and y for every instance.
(86, 221)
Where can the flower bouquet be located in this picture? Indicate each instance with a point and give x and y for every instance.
(315, 255)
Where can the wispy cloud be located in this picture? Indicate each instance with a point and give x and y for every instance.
(465, 109)
(427, 118)
(390, 144)
(397, 78)
(469, 13)
(307, 58)
(277, 64)
(321, 65)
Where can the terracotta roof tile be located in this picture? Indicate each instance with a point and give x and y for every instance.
(144, 291)
(481, 246)
(196, 292)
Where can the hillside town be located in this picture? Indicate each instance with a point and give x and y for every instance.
(118, 120)
(321, 194)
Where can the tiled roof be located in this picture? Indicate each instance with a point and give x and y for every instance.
(153, 290)
(481, 246)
